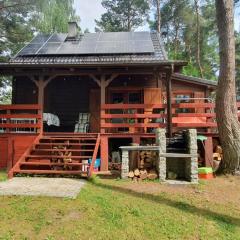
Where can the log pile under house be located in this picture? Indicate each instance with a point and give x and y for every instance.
(123, 81)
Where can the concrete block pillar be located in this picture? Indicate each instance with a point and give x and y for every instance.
(192, 163)
(125, 164)
(161, 141)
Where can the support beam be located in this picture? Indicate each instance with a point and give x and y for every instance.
(104, 153)
(169, 101)
(41, 84)
(95, 79)
(103, 99)
(103, 83)
(208, 152)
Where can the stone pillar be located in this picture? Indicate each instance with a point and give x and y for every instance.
(162, 143)
(125, 164)
(192, 163)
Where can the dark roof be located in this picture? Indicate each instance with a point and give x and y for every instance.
(89, 44)
(198, 81)
(158, 56)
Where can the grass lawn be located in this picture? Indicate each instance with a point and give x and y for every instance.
(113, 209)
(3, 175)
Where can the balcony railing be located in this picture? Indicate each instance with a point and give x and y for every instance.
(146, 117)
(20, 118)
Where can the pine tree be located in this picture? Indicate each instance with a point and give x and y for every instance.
(226, 107)
(123, 15)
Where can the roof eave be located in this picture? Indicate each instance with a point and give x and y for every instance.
(107, 64)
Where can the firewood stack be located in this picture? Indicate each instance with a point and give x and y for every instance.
(217, 157)
(146, 167)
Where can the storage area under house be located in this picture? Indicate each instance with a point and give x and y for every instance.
(160, 160)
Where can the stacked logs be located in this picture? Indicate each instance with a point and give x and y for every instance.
(62, 152)
(146, 166)
(217, 157)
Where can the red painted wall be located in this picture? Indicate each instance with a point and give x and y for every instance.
(3, 152)
(11, 151)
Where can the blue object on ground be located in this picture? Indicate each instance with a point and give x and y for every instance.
(97, 162)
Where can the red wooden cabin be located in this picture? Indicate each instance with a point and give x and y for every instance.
(123, 82)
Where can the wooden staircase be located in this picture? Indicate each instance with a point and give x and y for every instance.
(59, 154)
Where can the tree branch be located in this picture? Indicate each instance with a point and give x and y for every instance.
(2, 7)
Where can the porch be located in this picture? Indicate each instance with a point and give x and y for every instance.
(22, 131)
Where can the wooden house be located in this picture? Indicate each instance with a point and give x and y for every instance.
(76, 94)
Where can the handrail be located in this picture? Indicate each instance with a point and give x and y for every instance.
(17, 117)
(20, 107)
(141, 117)
(131, 106)
(91, 168)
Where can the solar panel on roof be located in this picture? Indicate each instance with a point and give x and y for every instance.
(40, 38)
(30, 49)
(49, 48)
(58, 37)
(91, 44)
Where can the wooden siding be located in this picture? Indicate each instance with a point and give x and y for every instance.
(12, 147)
(24, 91)
(3, 152)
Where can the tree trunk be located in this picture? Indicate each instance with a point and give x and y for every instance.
(198, 58)
(158, 16)
(226, 108)
(128, 17)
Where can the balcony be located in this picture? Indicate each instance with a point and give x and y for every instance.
(144, 118)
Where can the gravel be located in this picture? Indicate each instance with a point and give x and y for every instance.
(39, 186)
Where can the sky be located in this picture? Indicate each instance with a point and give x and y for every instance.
(88, 10)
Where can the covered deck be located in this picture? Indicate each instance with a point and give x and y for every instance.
(127, 95)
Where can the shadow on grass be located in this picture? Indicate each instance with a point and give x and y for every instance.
(180, 205)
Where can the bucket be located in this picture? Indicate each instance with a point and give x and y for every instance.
(97, 162)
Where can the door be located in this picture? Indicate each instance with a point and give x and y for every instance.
(152, 96)
(94, 108)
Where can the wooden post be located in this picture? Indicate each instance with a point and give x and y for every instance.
(159, 80)
(8, 121)
(104, 153)
(103, 83)
(169, 101)
(103, 100)
(41, 85)
(136, 139)
(41, 92)
(209, 152)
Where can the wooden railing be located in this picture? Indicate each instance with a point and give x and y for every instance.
(95, 152)
(144, 117)
(132, 117)
(20, 118)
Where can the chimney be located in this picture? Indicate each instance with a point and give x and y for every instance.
(72, 29)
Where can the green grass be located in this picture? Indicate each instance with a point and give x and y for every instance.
(105, 209)
(3, 175)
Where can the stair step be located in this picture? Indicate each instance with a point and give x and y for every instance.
(44, 158)
(69, 139)
(65, 144)
(55, 156)
(68, 134)
(51, 164)
(67, 172)
(62, 150)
